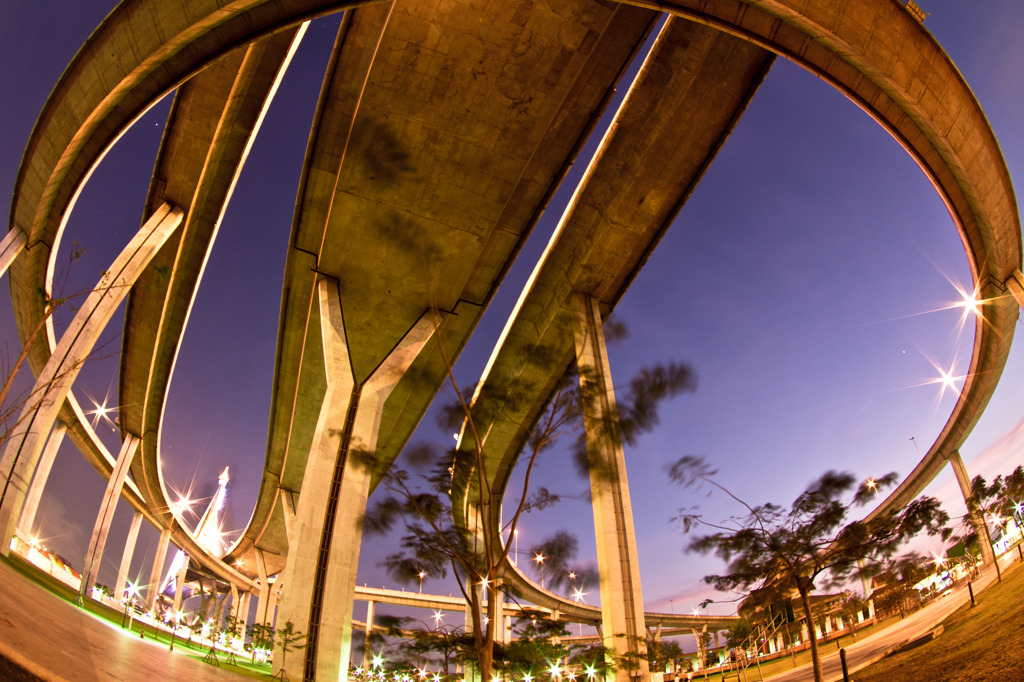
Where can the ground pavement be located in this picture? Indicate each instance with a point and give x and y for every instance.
(55, 640)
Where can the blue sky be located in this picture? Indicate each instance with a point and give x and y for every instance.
(808, 282)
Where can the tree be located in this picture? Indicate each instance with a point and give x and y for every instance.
(662, 653)
(417, 642)
(288, 638)
(261, 637)
(536, 645)
(449, 642)
(233, 629)
(741, 635)
(850, 608)
(770, 546)
(897, 593)
(1002, 495)
(434, 546)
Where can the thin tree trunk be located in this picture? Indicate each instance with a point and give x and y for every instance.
(805, 598)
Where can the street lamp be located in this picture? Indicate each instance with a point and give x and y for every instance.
(129, 602)
(173, 622)
(124, 616)
(421, 575)
(539, 558)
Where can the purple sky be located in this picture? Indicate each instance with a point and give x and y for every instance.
(808, 282)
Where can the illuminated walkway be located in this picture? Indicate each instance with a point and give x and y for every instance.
(54, 640)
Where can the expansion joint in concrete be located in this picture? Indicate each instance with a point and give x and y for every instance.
(320, 576)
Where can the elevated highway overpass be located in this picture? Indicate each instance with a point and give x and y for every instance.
(414, 232)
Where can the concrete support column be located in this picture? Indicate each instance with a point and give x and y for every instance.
(702, 650)
(772, 645)
(1015, 284)
(179, 582)
(324, 553)
(234, 602)
(94, 555)
(988, 556)
(865, 582)
(121, 589)
(35, 492)
(367, 649)
(621, 596)
(21, 453)
(288, 509)
(156, 573)
(13, 242)
(219, 615)
(276, 590)
(264, 598)
(245, 602)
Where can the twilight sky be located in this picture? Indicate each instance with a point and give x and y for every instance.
(810, 282)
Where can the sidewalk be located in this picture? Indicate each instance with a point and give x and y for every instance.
(54, 640)
(873, 648)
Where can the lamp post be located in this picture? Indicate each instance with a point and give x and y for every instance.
(129, 601)
(175, 616)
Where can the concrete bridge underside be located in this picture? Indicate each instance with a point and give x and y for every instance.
(422, 180)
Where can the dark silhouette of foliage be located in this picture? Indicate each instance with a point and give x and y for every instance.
(260, 637)
(420, 502)
(770, 546)
(661, 653)
(850, 608)
(1001, 499)
(556, 552)
(535, 644)
(638, 406)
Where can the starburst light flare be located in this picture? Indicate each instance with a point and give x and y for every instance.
(101, 412)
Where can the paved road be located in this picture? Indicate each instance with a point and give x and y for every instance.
(870, 649)
(55, 640)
